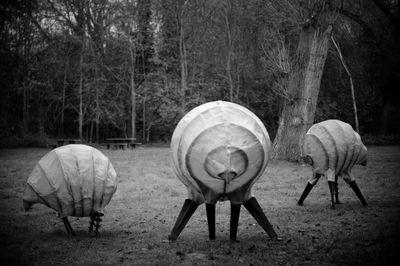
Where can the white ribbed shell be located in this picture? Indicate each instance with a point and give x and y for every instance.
(74, 180)
(215, 138)
(334, 145)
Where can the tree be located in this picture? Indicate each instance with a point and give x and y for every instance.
(106, 68)
(391, 93)
(377, 28)
(314, 21)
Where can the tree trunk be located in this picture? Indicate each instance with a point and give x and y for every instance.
(230, 54)
(26, 35)
(229, 74)
(133, 93)
(97, 102)
(89, 135)
(148, 131)
(144, 115)
(25, 109)
(41, 118)
(5, 103)
(388, 108)
(80, 115)
(237, 82)
(63, 97)
(303, 87)
(183, 60)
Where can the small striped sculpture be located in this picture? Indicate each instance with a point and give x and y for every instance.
(74, 180)
(219, 150)
(332, 148)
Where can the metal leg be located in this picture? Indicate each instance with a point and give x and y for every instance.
(235, 213)
(95, 220)
(67, 225)
(332, 190)
(306, 191)
(189, 207)
(356, 189)
(91, 222)
(255, 210)
(210, 208)
(337, 191)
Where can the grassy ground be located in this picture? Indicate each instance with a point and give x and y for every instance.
(148, 199)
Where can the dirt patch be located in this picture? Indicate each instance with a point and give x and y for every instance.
(142, 212)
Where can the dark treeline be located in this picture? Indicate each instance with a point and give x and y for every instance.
(100, 68)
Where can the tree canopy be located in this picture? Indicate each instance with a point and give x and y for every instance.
(100, 68)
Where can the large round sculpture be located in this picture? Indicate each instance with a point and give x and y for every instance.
(74, 180)
(332, 148)
(219, 150)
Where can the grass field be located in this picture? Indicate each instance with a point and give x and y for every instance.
(149, 197)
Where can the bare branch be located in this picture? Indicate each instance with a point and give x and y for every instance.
(351, 81)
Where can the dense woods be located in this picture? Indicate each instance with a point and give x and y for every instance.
(107, 68)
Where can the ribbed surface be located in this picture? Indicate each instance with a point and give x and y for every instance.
(218, 138)
(333, 144)
(74, 180)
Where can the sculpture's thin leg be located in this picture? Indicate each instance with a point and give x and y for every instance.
(97, 220)
(235, 213)
(188, 208)
(91, 222)
(356, 189)
(68, 226)
(332, 190)
(210, 208)
(255, 210)
(337, 190)
(306, 191)
(64, 219)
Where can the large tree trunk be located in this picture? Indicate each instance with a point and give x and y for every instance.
(303, 88)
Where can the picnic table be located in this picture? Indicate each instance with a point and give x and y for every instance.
(121, 143)
(61, 142)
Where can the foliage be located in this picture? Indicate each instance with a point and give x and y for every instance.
(231, 50)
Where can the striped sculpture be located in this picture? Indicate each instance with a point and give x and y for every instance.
(74, 180)
(219, 150)
(332, 148)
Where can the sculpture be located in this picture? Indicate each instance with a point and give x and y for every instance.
(332, 148)
(219, 150)
(74, 180)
